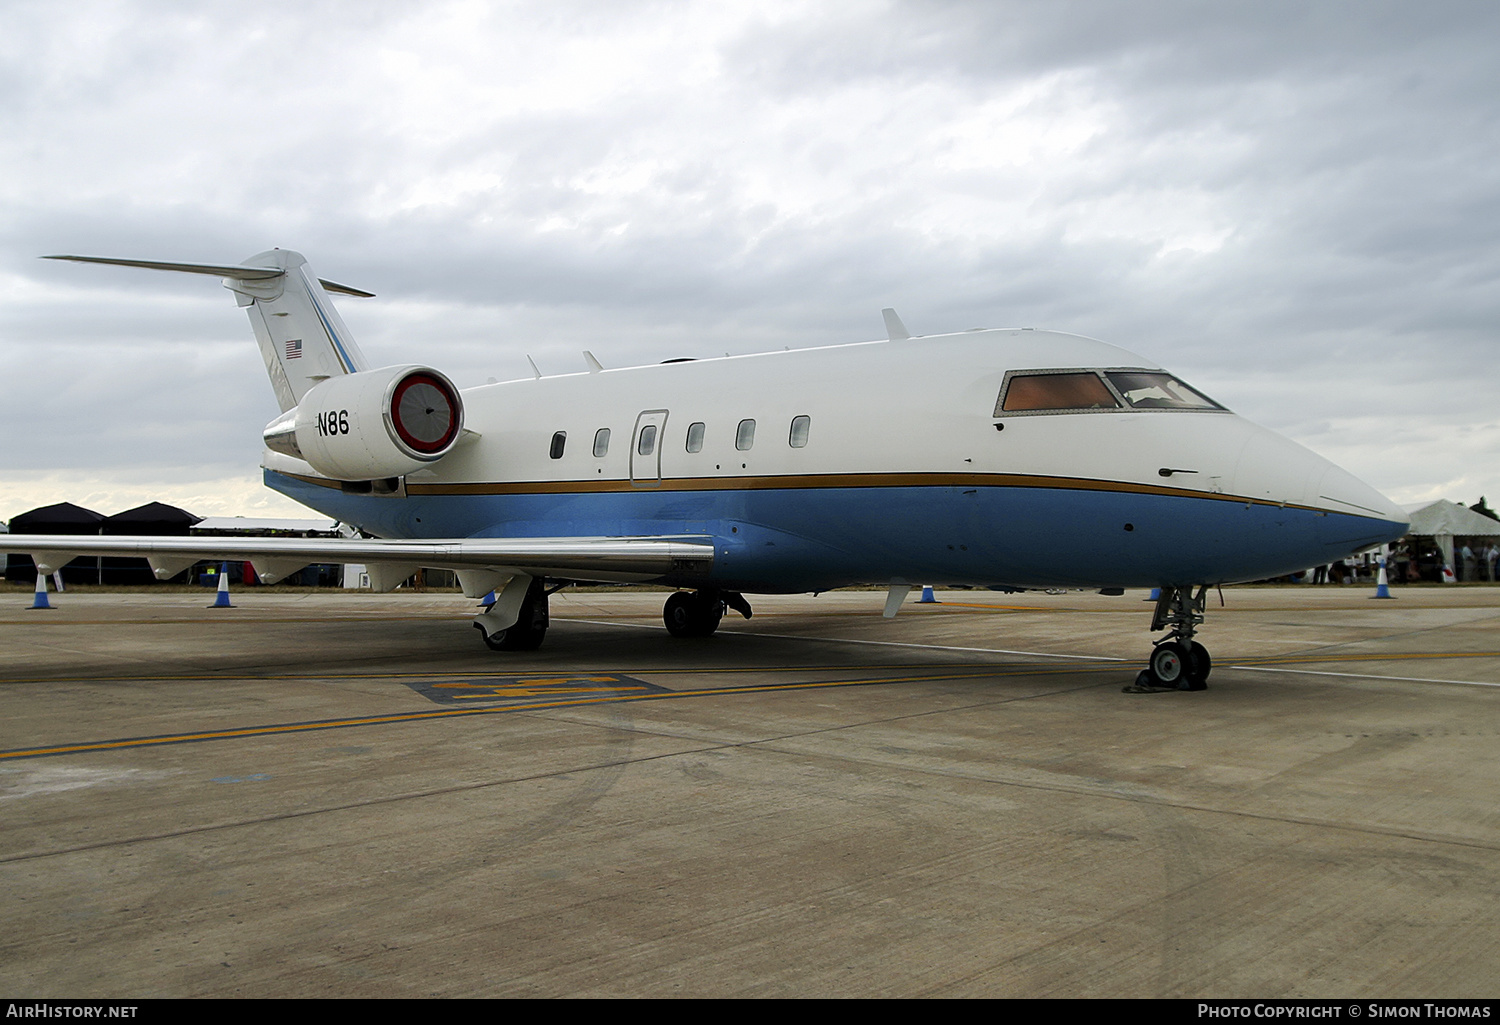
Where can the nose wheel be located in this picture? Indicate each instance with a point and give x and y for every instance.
(1177, 662)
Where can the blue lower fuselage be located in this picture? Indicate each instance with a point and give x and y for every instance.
(772, 540)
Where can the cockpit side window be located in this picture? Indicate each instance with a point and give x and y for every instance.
(1029, 393)
(1151, 390)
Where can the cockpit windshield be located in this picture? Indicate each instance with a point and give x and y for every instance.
(1145, 389)
(1087, 391)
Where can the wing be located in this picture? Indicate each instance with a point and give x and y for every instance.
(479, 561)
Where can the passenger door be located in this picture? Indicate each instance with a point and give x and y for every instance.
(645, 448)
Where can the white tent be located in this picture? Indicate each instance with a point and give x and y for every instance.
(1443, 521)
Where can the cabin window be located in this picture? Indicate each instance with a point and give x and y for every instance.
(1145, 389)
(601, 442)
(744, 436)
(559, 440)
(647, 443)
(695, 437)
(800, 425)
(1073, 390)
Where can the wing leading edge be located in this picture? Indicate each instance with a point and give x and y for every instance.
(480, 560)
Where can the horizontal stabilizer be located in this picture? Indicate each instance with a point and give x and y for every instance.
(237, 272)
(610, 559)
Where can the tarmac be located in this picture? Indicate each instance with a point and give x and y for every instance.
(347, 795)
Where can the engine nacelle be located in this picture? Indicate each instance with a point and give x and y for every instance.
(373, 424)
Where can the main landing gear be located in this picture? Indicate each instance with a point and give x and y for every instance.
(1177, 662)
(697, 613)
(529, 628)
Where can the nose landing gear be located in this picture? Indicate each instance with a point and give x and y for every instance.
(1177, 662)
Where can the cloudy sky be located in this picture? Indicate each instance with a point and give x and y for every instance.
(1295, 206)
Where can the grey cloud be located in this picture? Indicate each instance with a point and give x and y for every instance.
(1343, 156)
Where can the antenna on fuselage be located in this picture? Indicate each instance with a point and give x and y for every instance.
(594, 365)
(893, 326)
(534, 369)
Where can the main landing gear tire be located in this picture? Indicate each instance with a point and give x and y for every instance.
(530, 627)
(692, 614)
(514, 639)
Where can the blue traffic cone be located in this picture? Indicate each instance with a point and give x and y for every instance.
(40, 601)
(1382, 585)
(221, 601)
(927, 598)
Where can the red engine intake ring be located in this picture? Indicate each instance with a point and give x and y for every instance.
(424, 412)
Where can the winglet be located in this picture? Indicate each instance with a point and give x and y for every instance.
(893, 325)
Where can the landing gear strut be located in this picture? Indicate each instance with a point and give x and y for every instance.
(530, 627)
(697, 613)
(1177, 662)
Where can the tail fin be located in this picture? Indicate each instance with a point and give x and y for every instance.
(303, 340)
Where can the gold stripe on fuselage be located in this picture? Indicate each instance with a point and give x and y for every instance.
(823, 481)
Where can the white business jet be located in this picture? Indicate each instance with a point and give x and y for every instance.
(1008, 459)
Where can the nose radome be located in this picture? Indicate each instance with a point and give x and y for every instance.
(1340, 490)
(1276, 469)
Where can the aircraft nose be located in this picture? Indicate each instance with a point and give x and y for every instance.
(1277, 469)
(1341, 491)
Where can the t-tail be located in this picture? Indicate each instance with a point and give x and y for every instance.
(345, 420)
(303, 340)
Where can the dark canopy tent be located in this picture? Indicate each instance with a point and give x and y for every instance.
(62, 518)
(154, 519)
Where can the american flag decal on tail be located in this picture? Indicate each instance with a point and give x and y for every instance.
(294, 348)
